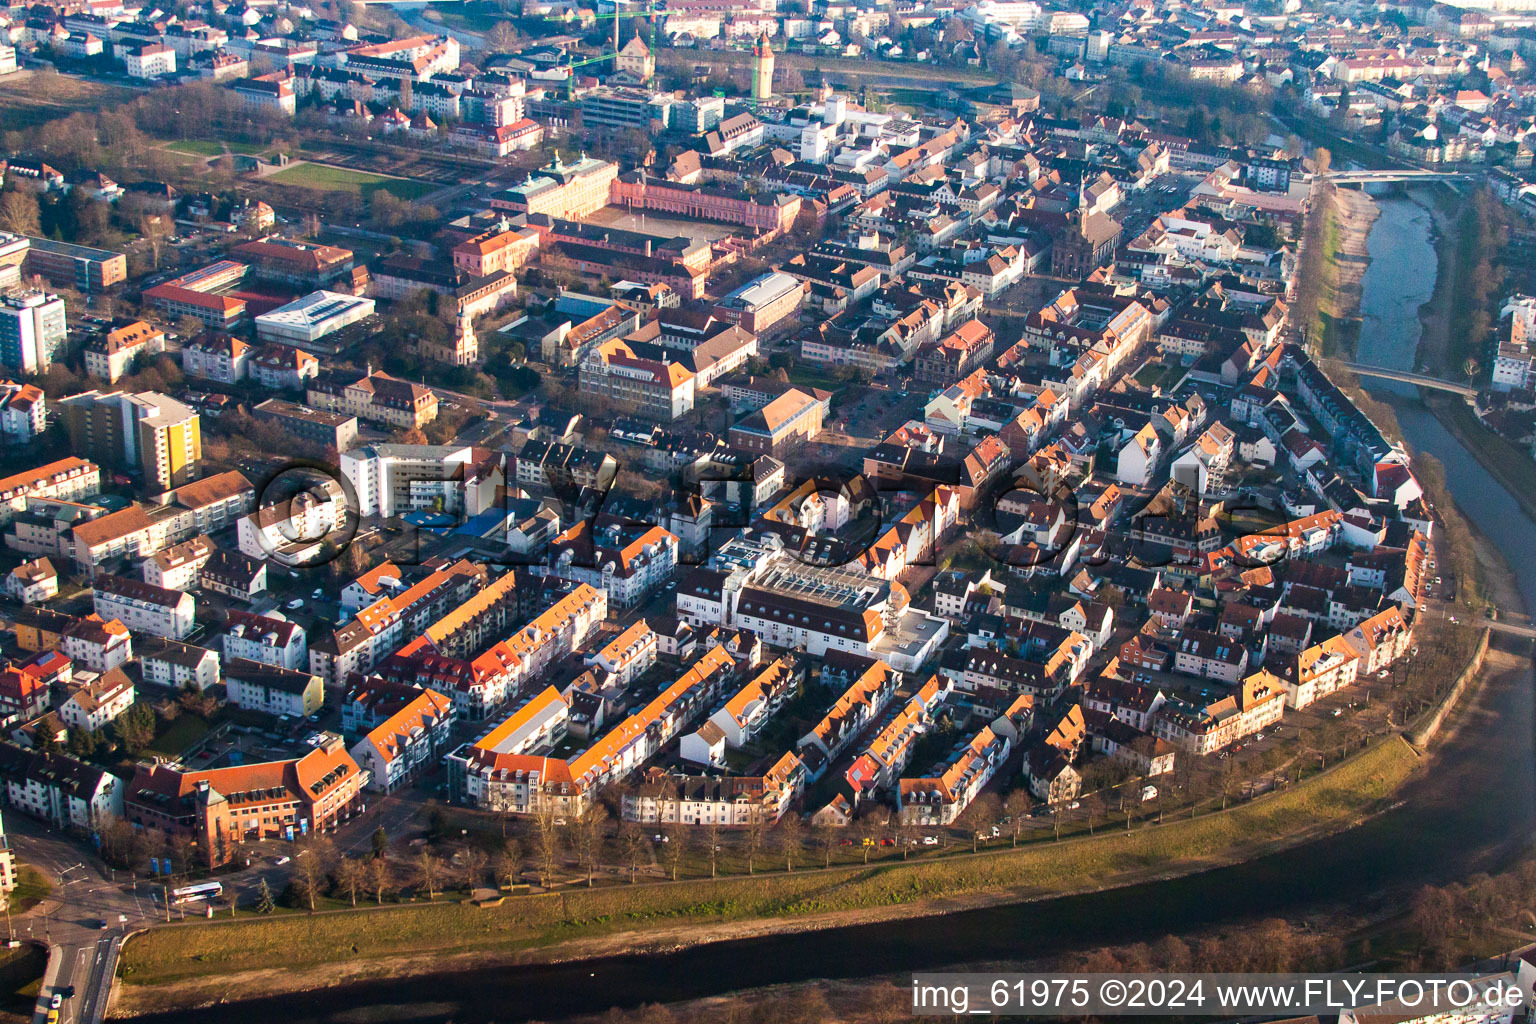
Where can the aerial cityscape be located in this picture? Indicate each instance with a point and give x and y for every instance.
(667, 511)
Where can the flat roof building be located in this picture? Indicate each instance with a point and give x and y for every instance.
(317, 314)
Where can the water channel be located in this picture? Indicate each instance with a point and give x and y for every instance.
(1472, 813)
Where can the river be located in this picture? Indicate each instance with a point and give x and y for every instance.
(1400, 279)
(1474, 811)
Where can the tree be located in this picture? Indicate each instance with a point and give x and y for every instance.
(429, 868)
(509, 862)
(19, 213)
(549, 839)
(380, 878)
(825, 837)
(265, 904)
(380, 841)
(312, 868)
(632, 847)
(502, 38)
(135, 728)
(906, 832)
(712, 837)
(155, 229)
(791, 839)
(752, 843)
(871, 827)
(475, 861)
(82, 743)
(674, 848)
(981, 816)
(352, 876)
(1017, 807)
(1322, 160)
(588, 836)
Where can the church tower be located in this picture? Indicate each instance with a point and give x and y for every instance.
(762, 69)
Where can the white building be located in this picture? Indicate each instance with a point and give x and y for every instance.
(59, 789)
(32, 328)
(270, 641)
(274, 691)
(304, 320)
(149, 60)
(93, 705)
(178, 665)
(144, 607)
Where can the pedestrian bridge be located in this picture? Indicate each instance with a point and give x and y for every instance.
(1422, 380)
(1386, 177)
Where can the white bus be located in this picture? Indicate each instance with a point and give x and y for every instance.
(196, 893)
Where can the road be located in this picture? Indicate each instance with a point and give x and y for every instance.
(80, 952)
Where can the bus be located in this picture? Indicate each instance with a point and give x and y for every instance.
(196, 893)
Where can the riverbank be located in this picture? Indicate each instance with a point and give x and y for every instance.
(202, 964)
(1353, 214)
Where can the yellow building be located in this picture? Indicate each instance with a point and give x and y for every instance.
(148, 432)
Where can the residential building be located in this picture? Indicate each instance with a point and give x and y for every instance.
(262, 638)
(144, 607)
(112, 355)
(32, 329)
(60, 790)
(92, 705)
(257, 686)
(410, 741)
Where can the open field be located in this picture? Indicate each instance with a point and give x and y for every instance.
(221, 949)
(204, 147)
(30, 98)
(340, 179)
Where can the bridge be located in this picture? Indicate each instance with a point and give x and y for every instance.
(1422, 380)
(1384, 177)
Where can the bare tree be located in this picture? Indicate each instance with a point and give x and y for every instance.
(1016, 806)
(753, 837)
(791, 839)
(981, 816)
(475, 861)
(632, 847)
(381, 878)
(549, 840)
(509, 862)
(906, 832)
(588, 836)
(312, 867)
(674, 848)
(872, 827)
(429, 867)
(826, 838)
(352, 875)
(712, 837)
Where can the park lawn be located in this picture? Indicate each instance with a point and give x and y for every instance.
(814, 377)
(341, 179)
(1329, 800)
(178, 735)
(204, 147)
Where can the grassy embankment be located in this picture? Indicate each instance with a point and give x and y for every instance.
(1321, 309)
(1332, 800)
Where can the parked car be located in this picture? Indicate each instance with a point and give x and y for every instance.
(930, 840)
